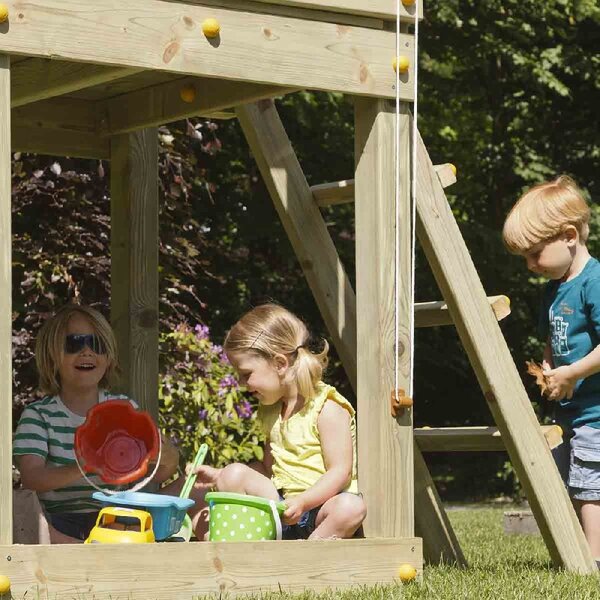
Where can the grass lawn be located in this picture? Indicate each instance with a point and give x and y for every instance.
(501, 567)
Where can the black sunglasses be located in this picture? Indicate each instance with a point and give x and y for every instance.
(76, 342)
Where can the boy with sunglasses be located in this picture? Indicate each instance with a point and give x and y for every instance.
(76, 357)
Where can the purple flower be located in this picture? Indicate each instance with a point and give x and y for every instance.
(244, 409)
(229, 381)
(202, 414)
(201, 331)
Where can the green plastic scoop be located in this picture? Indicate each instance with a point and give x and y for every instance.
(186, 530)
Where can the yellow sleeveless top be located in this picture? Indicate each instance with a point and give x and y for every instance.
(296, 445)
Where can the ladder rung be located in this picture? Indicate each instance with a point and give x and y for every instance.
(473, 439)
(342, 192)
(433, 314)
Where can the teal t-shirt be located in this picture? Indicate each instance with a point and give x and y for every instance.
(571, 321)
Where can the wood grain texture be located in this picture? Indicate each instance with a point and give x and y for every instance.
(474, 439)
(490, 357)
(252, 47)
(385, 468)
(162, 103)
(39, 78)
(304, 225)
(433, 314)
(180, 571)
(382, 9)
(134, 256)
(6, 374)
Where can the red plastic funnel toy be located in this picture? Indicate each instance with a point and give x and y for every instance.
(117, 442)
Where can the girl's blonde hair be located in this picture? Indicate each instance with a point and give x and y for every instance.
(50, 346)
(544, 212)
(270, 329)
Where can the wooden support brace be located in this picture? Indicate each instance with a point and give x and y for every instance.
(473, 439)
(304, 225)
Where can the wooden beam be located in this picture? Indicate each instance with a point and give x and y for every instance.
(382, 9)
(166, 36)
(58, 113)
(162, 103)
(56, 142)
(385, 444)
(473, 439)
(6, 376)
(337, 192)
(342, 192)
(134, 262)
(60, 127)
(433, 314)
(314, 12)
(40, 78)
(490, 357)
(176, 571)
(440, 544)
(304, 225)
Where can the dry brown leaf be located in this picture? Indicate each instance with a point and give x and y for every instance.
(537, 371)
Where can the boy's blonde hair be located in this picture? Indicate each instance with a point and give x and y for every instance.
(270, 329)
(50, 346)
(544, 212)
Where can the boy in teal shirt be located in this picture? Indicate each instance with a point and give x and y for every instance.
(549, 227)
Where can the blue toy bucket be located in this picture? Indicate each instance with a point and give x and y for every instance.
(167, 512)
(242, 518)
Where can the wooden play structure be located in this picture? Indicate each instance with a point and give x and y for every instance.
(95, 80)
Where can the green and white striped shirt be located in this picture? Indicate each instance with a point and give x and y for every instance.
(47, 429)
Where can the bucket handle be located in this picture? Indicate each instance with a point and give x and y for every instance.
(138, 486)
(276, 518)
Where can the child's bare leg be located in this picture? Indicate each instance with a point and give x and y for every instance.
(244, 480)
(340, 517)
(590, 521)
(57, 537)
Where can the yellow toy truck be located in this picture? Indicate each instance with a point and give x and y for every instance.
(118, 525)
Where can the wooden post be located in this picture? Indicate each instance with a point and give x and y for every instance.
(385, 445)
(134, 252)
(5, 308)
(490, 357)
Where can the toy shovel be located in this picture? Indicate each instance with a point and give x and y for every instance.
(185, 531)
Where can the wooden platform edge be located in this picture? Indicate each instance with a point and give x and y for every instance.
(119, 571)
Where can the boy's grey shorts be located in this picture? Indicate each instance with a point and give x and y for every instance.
(578, 461)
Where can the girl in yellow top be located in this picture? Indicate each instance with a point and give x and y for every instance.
(310, 454)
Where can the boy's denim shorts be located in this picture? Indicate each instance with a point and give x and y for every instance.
(578, 462)
(76, 525)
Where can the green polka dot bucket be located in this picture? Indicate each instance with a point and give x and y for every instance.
(242, 518)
